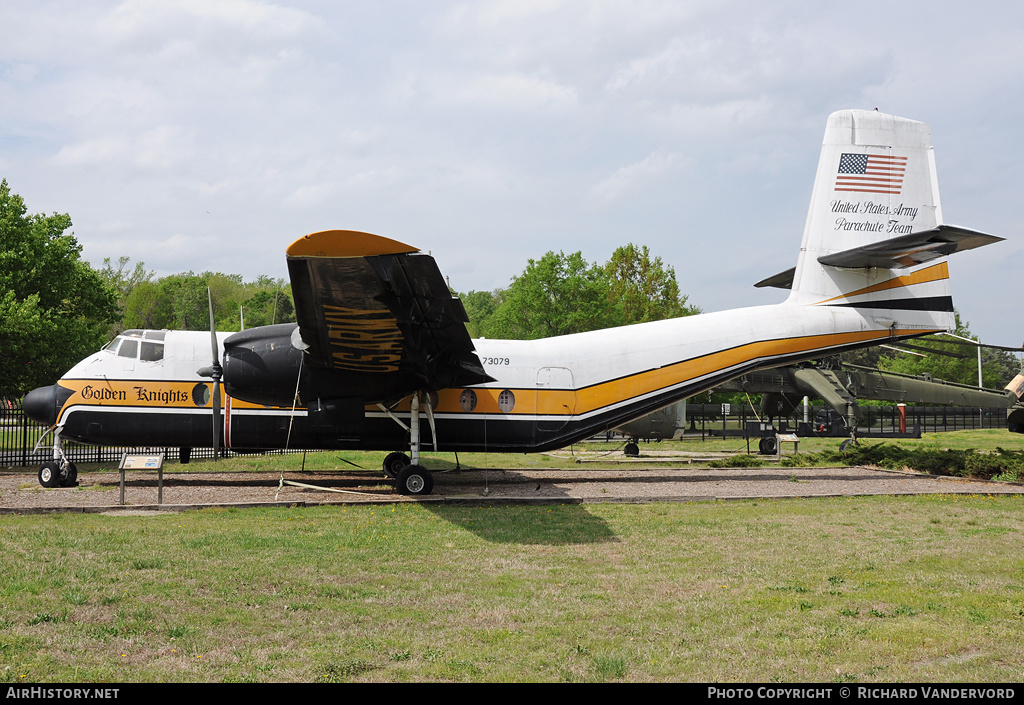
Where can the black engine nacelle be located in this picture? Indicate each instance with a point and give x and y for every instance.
(261, 365)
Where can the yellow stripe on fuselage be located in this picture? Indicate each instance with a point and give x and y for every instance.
(151, 394)
(565, 402)
(936, 272)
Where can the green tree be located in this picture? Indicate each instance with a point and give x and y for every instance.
(555, 295)
(186, 296)
(559, 294)
(147, 306)
(54, 308)
(123, 280)
(644, 289)
(480, 307)
(266, 307)
(180, 302)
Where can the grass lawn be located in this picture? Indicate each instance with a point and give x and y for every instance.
(859, 589)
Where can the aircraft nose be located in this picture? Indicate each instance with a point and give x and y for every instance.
(41, 405)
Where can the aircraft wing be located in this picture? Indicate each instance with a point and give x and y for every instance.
(368, 304)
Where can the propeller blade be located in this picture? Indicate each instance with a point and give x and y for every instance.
(213, 330)
(215, 373)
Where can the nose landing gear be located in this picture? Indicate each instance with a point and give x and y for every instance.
(59, 472)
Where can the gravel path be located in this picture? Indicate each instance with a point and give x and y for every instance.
(100, 491)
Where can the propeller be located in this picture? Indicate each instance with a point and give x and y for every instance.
(214, 371)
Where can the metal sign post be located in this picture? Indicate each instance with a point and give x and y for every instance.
(144, 462)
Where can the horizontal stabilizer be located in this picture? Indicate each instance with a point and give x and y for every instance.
(909, 250)
(782, 280)
(899, 252)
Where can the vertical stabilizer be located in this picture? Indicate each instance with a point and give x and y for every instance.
(875, 216)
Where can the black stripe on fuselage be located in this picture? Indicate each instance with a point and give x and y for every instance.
(928, 303)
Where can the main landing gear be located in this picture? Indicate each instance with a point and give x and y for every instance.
(410, 477)
(394, 463)
(768, 445)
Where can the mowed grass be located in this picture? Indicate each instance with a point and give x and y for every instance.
(859, 589)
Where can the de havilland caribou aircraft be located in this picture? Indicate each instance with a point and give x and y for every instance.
(381, 358)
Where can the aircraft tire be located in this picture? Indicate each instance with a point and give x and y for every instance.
(632, 450)
(70, 478)
(415, 480)
(394, 462)
(848, 443)
(768, 445)
(49, 474)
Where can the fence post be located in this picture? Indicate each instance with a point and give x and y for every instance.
(24, 437)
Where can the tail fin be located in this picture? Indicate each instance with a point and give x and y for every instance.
(875, 238)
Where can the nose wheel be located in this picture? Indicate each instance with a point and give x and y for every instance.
(52, 474)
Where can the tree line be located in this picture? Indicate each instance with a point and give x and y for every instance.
(560, 294)
(181, 302)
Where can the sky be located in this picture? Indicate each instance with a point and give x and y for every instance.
(193, 135)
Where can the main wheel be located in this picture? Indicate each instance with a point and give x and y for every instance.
(768, 445)
(632, 450)
(70, 478)
(49, 474)
(394, 462)
(415, 480)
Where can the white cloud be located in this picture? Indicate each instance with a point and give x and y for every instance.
(630, 178)
(490, 131)
(512, 92)
(93, 152)
(150, 24)
(157, 149)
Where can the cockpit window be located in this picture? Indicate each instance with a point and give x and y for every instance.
(129, 348)
(146, 344)
(151, 352)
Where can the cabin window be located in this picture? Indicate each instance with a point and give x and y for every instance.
(467, 400)
(151, 352)
(129, 348)
(506, 401)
